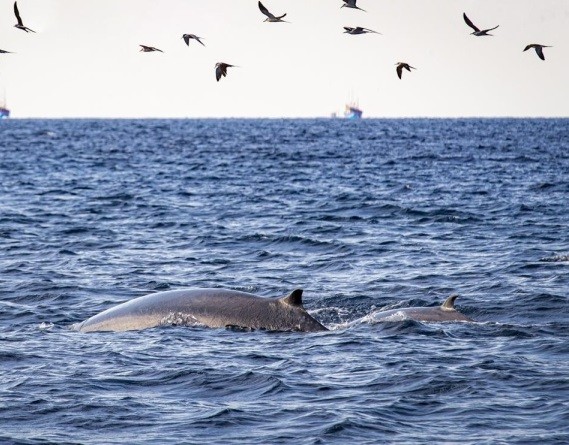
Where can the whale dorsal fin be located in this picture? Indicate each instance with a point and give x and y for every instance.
(294, 298)
(448, 305)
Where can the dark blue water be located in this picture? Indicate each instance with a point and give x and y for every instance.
(364, 216)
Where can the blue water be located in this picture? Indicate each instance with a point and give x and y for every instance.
(363, 215)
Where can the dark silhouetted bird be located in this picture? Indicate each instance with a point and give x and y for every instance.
(188, 37)
(271, 17)
(20, 24)
(538, 49)
(358, 30)
(149, 49)
(221, 69)
(477, 31)
(351, 4)
(401, 66)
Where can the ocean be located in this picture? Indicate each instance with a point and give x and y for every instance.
(362, 215)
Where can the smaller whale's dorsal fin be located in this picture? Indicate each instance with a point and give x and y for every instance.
(294, 298)
(448, 305)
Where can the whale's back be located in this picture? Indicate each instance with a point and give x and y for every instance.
(214, 308)
(442, 313)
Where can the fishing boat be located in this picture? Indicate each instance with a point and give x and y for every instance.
(353, 111)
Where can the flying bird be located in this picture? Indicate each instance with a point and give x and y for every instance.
(477, 31)
(188, 37)
(149, 49)
(221, 69)
(538, 49)
(351, 4)
(271, 17)
(5, 52)
(20, 24)
(401, 66)
(358, 30)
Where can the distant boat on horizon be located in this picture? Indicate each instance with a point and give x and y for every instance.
(352, 110)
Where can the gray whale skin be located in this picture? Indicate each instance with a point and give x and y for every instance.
(215, 308)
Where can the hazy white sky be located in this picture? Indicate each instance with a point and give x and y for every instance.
(84, 60)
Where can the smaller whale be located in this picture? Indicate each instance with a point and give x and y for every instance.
(215, 308)
(444, 312)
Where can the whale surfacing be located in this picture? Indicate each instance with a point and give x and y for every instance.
(444, 312)
(215, 308)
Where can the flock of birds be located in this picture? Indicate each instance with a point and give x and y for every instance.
(486, 32)
(221, 67)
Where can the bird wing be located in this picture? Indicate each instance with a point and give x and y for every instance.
(18, 14)
(539, 51)
(220, 70)
(198, 39)
(399, 70)
(469, 22)
(150, 48)
(186, 38)
(491, 29)
(265, 11)
(348, 28)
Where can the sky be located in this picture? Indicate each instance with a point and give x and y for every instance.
(84, 59)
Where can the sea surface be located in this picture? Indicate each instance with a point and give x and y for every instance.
(363, 215)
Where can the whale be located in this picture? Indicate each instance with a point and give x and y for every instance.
(213, 307)
(444, 313)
